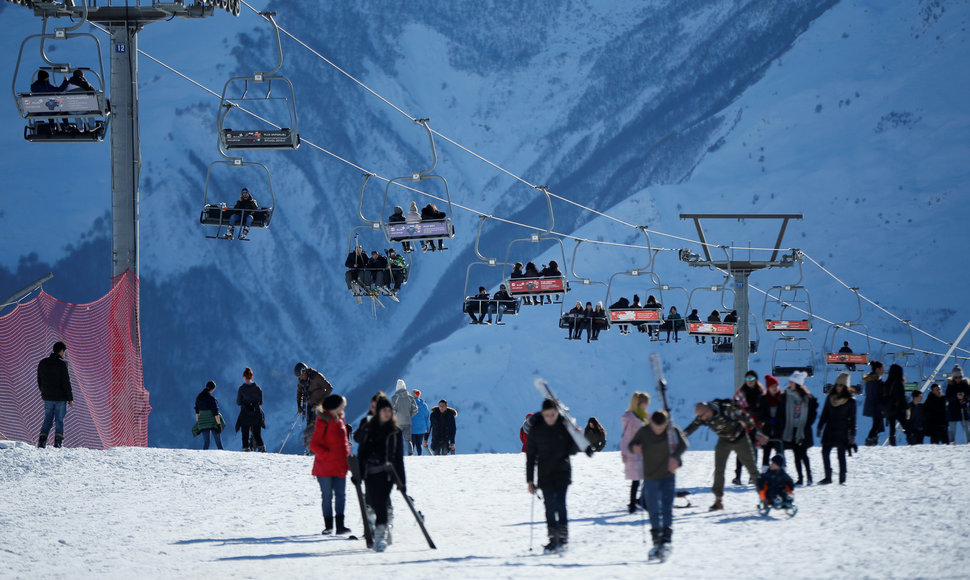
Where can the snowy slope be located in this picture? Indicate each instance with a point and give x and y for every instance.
(169, 513)
(644, 112)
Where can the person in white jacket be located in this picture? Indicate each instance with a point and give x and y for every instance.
(404, 408)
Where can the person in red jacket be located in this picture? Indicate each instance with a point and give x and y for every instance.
(330, 446)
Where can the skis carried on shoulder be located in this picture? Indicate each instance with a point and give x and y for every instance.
(355, 479)
(407, 499)
(574, 431)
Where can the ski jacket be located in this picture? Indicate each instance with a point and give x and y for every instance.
(893, 400)
(382, 443)
(249, 204)
(330, 445)
(596, 437)
(955, 410)
(872, 406)
(775, 483)
(934, 411)
(656, 450)
(836, 425)
(355, 260)
(443, 426)
(404, 405)
(548, 452)
(312, 390)
(421, 421)
(53, 379)
(632, 462)
(249, 397)
(771, 414)
(728, 422)
(916, 422)
(207, 420)
(430, 213)
(47, 87)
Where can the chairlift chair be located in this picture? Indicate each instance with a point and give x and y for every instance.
(792, 347)
(75, 116)
(279, 137)
(567, 320)
(359, 289)
(787, 309)
(219, 214)
(554, 288)
(725, 330)
(427, 230)
(470, 303)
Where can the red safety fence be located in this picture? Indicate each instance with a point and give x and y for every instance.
(104, 359)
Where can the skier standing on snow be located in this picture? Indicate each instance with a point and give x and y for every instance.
(382, 449)
(54, 382)
(660, 446)
(404, 409)
(731, 426)
(311, 389)
(443, 429)
(632, 420)
(331, 447)
(547, 452)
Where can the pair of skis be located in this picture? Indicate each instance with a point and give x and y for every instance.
(356, 479)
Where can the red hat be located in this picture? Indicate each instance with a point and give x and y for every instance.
(770, 380)
(417, 393)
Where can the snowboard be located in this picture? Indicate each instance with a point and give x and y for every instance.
(355, 479)
(574, 431)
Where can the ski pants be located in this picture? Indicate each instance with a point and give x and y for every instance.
(54, 412)
(416, 439)
(723, 449)
(827, 462)
(333, 494)
(378, 495)
(251, 437)
(658, 495)
(556, 521)
(215, 435)
(953, 431)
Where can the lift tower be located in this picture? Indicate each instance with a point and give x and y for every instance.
(124, 19)
(739, 271)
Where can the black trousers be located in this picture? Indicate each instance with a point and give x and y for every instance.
(378, 494)
(251, 435)
(826, 461)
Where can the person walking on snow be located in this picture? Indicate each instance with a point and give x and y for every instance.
(207, 418)
(381, 449)
(331, 447)
(661, 446)
(547, 451)
(731, 426)
(443, 429)
(311, 389)
(404, 408)
(54, 382)
(420, 424)
(801, 409)
(632, 420)
(251, 420)
(836, 425)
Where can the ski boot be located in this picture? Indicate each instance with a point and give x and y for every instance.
(58, 440)
(42, 440)
(380, 537)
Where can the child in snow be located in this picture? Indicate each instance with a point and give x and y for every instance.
(775, 485)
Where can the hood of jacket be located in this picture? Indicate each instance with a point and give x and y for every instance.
(401, 385)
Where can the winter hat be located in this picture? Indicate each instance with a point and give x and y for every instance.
(779, 460)
(417, 392)
(59, 346)
(401, 385)
(398, 209)
(957, 369)
(798, 377)
(843, 379)
(382, 402)
(332, 402)
(770, 380)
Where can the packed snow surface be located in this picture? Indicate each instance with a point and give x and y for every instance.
(162, 513)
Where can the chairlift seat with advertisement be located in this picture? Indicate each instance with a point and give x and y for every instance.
(219, 213)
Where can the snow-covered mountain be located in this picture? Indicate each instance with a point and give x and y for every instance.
(849, 113)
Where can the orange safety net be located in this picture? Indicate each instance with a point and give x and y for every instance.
(103, 357)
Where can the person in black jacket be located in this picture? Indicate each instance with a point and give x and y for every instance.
(957, 411)
(356, 264)
(381, 449)
(43, 84)
(443, 429)
(54, 382)
(934, 416)
(547, 451)
(872, 405)
(431, 212)
(893, 400)
(836, 426)
(251, 420)
(398, 218)
(771, 415)
(479, 304)
(205, 401)
(500, 303)
(377, 273)
(915, 424)
(248, 205)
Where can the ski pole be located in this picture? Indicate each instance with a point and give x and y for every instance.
(532, 520)
(290, 432)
